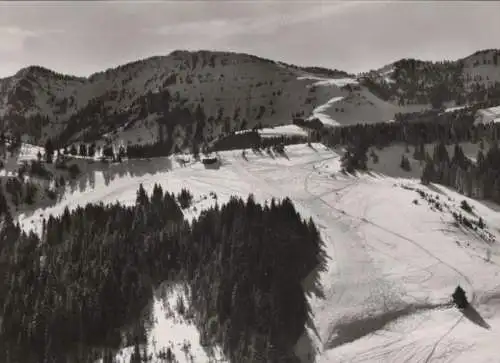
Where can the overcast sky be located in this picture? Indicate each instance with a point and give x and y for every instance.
(84, 37)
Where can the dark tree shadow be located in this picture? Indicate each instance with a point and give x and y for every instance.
(347, 332)
(82, 183)
(436, 189)
(372, 174)
(72, 185)
(92, 179)
(473, 315)
(312, 147)
(285, 155)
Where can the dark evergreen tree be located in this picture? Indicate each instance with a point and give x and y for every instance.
(419, 153)
(49, 151)
(459, 298)
(83, 150)
(88, 280)
(185, 198)
(405, 163)
(107, 151)
(355, 158)
(92, 150)
(428, 172)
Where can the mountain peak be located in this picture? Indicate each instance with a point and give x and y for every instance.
(40, 71)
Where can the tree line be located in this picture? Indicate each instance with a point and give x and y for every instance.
(479, 178)
(436, 83)
(71, 293)
(448, 127)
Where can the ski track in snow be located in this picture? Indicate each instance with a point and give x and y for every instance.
(320, 112)
(387, 284)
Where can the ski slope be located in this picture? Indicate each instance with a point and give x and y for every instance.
(320, 112)
(345, 101)
(395, 258)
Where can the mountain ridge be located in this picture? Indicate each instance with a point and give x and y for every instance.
(132, 62)
(233, 91)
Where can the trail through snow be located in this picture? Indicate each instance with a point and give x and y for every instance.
(392, 267)
(321, 112)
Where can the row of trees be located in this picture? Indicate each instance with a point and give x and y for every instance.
(150, 150)
(252, 139)
(72, 292)
(448, 128)
(455, 127)
(479, 179)
(96, 119)
(166, 147)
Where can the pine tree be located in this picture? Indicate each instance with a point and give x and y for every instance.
(419, 153)
(459, 297)
(428, 173)
(49, 151)
(405, 163)
(83, 150)
(142, 197)
(91, 150)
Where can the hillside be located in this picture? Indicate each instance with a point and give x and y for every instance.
(234, 91)
(395, 254)
(472, 79)
(236, 233)
(193, 97)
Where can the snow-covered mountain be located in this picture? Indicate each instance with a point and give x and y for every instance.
(474, 78)
(238, 89)
(167, 96)
(396, 251)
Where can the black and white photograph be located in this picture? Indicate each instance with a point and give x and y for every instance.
(249, 181)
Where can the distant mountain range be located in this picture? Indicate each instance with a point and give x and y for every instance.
(204, 94)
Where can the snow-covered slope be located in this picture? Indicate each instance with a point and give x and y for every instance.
(396, 253)
(389, 158)
(233, 91)
(355, 104)
(172, 333)
(482, 67)
(469, 80)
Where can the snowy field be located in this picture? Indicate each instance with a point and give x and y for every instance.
(395, 259)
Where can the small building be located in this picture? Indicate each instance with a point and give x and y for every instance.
(211, 162)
